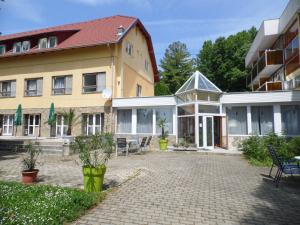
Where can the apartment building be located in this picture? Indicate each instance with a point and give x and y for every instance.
(274, 55)
(70, 66)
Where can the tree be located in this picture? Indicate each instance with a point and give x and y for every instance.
(176, 66)
(223, 61)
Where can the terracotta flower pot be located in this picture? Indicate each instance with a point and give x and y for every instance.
(29, 176)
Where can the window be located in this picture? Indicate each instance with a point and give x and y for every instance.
(209, 109)
(292, 48)
(33, 87)
(146, 65)
(144, 121)
(290, 117)
(93, 123)
(186, 129)
(138, 90)
(129, 48)
(124, 120)
(7, 124)
(237, 120)
(186, 110)
(94, 82)
(25, 46)
(2, 49)
(164, 113)
(8, 88)
(62, 85)
(43, 43)
(262, 120)
(50, 42)
(61, 126)
(17, 47)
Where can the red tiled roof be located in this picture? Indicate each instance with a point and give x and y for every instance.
(84, 34)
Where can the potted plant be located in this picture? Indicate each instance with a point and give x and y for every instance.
(163, 139)
(70, 118)
(94, 152)
(29, 173)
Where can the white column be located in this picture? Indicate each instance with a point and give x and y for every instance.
(196, 124)
(277, 119)
(175, 121)
(154, 121)
(133, 121)
(249, 120)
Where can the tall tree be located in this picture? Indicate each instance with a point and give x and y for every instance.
(223, 62)
(176, 66)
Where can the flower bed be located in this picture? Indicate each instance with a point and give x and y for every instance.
(41, 204)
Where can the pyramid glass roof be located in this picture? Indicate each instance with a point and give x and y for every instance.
(198, 82)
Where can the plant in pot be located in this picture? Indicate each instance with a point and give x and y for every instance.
(163, 139)
(94, 152)
(70, 118)
(29, 173)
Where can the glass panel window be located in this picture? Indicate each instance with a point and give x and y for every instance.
(144, 121)
(262, 119)
(94, 82)
(61, 126)
(167, 114)
(237, 120)
(290, 117)
(186, 129)
(17, 47)
(129, 48)
(52, 42)
(93, 123)
(2, 49)
(43, 43)
(209, 109)
(7, 88)
(31, 88)
(62, 85)
(124, 120)
(186, 110)
(25, 46)
(7, 124)
(138, 90)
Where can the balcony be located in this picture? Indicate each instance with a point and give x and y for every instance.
(271, 86)
(267, 64)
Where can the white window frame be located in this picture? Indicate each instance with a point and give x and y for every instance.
(41, 42)
(35, 128)
(65, 85)
(94, 125)
(48, 41)
(62, 127)
(24, 44)
(15, 47)
(129, 48)
(3, 47)
(7, 123)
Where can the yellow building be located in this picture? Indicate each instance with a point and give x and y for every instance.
(70, 66)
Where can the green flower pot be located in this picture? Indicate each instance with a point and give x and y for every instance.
(93, 178)
(163, 144)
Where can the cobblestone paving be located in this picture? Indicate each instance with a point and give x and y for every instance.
(182, 188)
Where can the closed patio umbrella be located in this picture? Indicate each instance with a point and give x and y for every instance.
(18, 117)
(52, 115)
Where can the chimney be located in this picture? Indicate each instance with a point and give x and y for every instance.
(121, 30)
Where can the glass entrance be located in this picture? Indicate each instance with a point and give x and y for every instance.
(206, 132)
(8, 124)
(33, 125)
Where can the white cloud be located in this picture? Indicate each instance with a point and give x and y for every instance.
(24, 9)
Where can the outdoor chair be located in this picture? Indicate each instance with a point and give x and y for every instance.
(283, 167)
(143, 143)
(122, 145)
(148, 142)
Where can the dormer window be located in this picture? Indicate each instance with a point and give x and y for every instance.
(2, 49)
(21, 46)
(50, 42)
(17, 47)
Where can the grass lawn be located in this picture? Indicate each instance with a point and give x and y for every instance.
(41, 204)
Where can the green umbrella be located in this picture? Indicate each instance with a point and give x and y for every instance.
(18, 116)
(52, 115)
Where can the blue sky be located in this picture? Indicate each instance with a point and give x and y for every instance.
(189, 21)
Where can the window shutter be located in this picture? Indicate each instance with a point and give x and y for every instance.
(68, 84)
(101, 81)
(13, 88)
(39, 84)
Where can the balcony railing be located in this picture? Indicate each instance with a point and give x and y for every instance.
(268, 58)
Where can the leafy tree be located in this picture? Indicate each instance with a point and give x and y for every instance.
(223, 61)
(176, 66)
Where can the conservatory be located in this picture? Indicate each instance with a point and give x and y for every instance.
(199, 113)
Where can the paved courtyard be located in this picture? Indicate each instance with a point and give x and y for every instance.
(178, 188)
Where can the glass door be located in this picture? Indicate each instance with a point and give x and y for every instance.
(209, 132)
(206, 132)
(8, 124)
(33, 125)
(201, 133)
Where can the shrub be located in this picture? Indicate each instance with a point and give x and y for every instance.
(255, 148)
